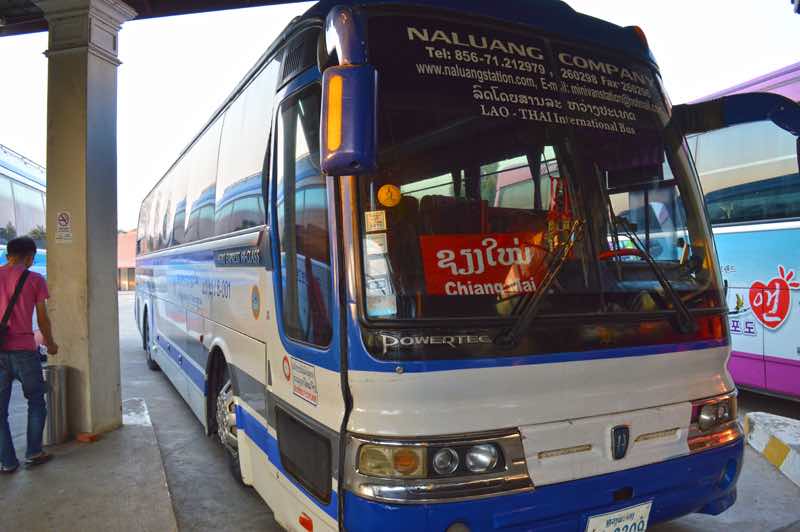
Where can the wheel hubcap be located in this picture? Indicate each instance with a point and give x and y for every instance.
(226, 418)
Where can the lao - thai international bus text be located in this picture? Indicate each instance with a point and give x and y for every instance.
(513, 77)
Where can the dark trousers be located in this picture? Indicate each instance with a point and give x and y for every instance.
(26, 367)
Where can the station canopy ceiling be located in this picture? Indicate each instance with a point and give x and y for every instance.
(22, 16)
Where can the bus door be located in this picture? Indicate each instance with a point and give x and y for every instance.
(305, 401)
(759, 263)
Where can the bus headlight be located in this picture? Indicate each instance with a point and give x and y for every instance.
(714, 422)
(434, 469)
(482, 458)
(445, 461)
(713, 414)
(392, 461)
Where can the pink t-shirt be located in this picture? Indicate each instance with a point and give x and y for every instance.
(20, 325)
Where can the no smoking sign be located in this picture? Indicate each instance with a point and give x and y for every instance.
(63, 227)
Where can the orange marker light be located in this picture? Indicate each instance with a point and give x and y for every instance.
(640, 33)
(405, 461)
(306, 522)
(334, 125)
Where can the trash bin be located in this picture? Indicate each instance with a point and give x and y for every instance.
(55, 427)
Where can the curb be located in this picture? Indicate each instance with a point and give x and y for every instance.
(777, 439)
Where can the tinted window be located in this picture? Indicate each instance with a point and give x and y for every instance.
(175, 223)
(8, 227)
(744, 144)
(179, 223)
(201, 175)
(749, 173)
(241, 207)
(248, 211)
(154, 220)
(142, 245)
(222, 221)
(769, 199)
(303, 222)
(242, 149)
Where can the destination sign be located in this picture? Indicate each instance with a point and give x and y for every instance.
(502, 75)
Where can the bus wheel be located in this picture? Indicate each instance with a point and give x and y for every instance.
(226, 423)
(152, 364)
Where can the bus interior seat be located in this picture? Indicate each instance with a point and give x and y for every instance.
(505, 220)
(444, 215)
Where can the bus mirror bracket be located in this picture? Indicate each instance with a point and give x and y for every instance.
(736, 109)
(348, 125)
(344, 39)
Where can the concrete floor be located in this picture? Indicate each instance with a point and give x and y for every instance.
(205, 496)
(117, 483)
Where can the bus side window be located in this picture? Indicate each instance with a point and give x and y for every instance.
(749, 173)
(302, 213)
(245, 132)
(8, 226)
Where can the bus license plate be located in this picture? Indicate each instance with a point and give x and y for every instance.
(631, 519)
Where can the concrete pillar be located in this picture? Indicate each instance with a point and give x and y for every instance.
(82, 203)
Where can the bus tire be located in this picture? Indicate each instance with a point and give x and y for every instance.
(225, 419)
(152, 364)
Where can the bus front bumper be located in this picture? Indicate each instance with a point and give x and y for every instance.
(704, 482)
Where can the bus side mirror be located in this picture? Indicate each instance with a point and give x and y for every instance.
(348, 126)
(736, 109)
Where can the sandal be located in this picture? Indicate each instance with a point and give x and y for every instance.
(6, 470)
(39, 459)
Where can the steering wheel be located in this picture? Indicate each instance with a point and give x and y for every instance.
(624, 252)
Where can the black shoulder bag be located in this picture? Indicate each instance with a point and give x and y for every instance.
(10, 308)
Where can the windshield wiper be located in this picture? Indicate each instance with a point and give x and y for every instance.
(685, 322)
(531, 303)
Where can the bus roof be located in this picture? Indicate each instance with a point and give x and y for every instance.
(550, 16)
(785, 82)
(21, 166)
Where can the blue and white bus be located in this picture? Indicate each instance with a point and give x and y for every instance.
(329, 275)
(749, 174)
(22, 203)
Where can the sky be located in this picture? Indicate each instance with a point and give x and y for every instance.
(176, 71)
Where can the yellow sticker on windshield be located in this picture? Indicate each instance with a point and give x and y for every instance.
(389, 195)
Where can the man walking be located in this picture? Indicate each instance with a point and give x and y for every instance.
(22, 291)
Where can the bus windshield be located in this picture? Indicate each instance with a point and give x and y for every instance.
(494, 147)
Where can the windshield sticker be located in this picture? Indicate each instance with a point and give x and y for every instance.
(381, 300)
(381, 305)
(376, 244)
(374, 221)
(501, 75)
(376, 267)
(389, 195)
(502, 264)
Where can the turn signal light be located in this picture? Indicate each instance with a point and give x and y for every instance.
(334, 125)
(640, 33)
(406, 461)
(392, 461)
